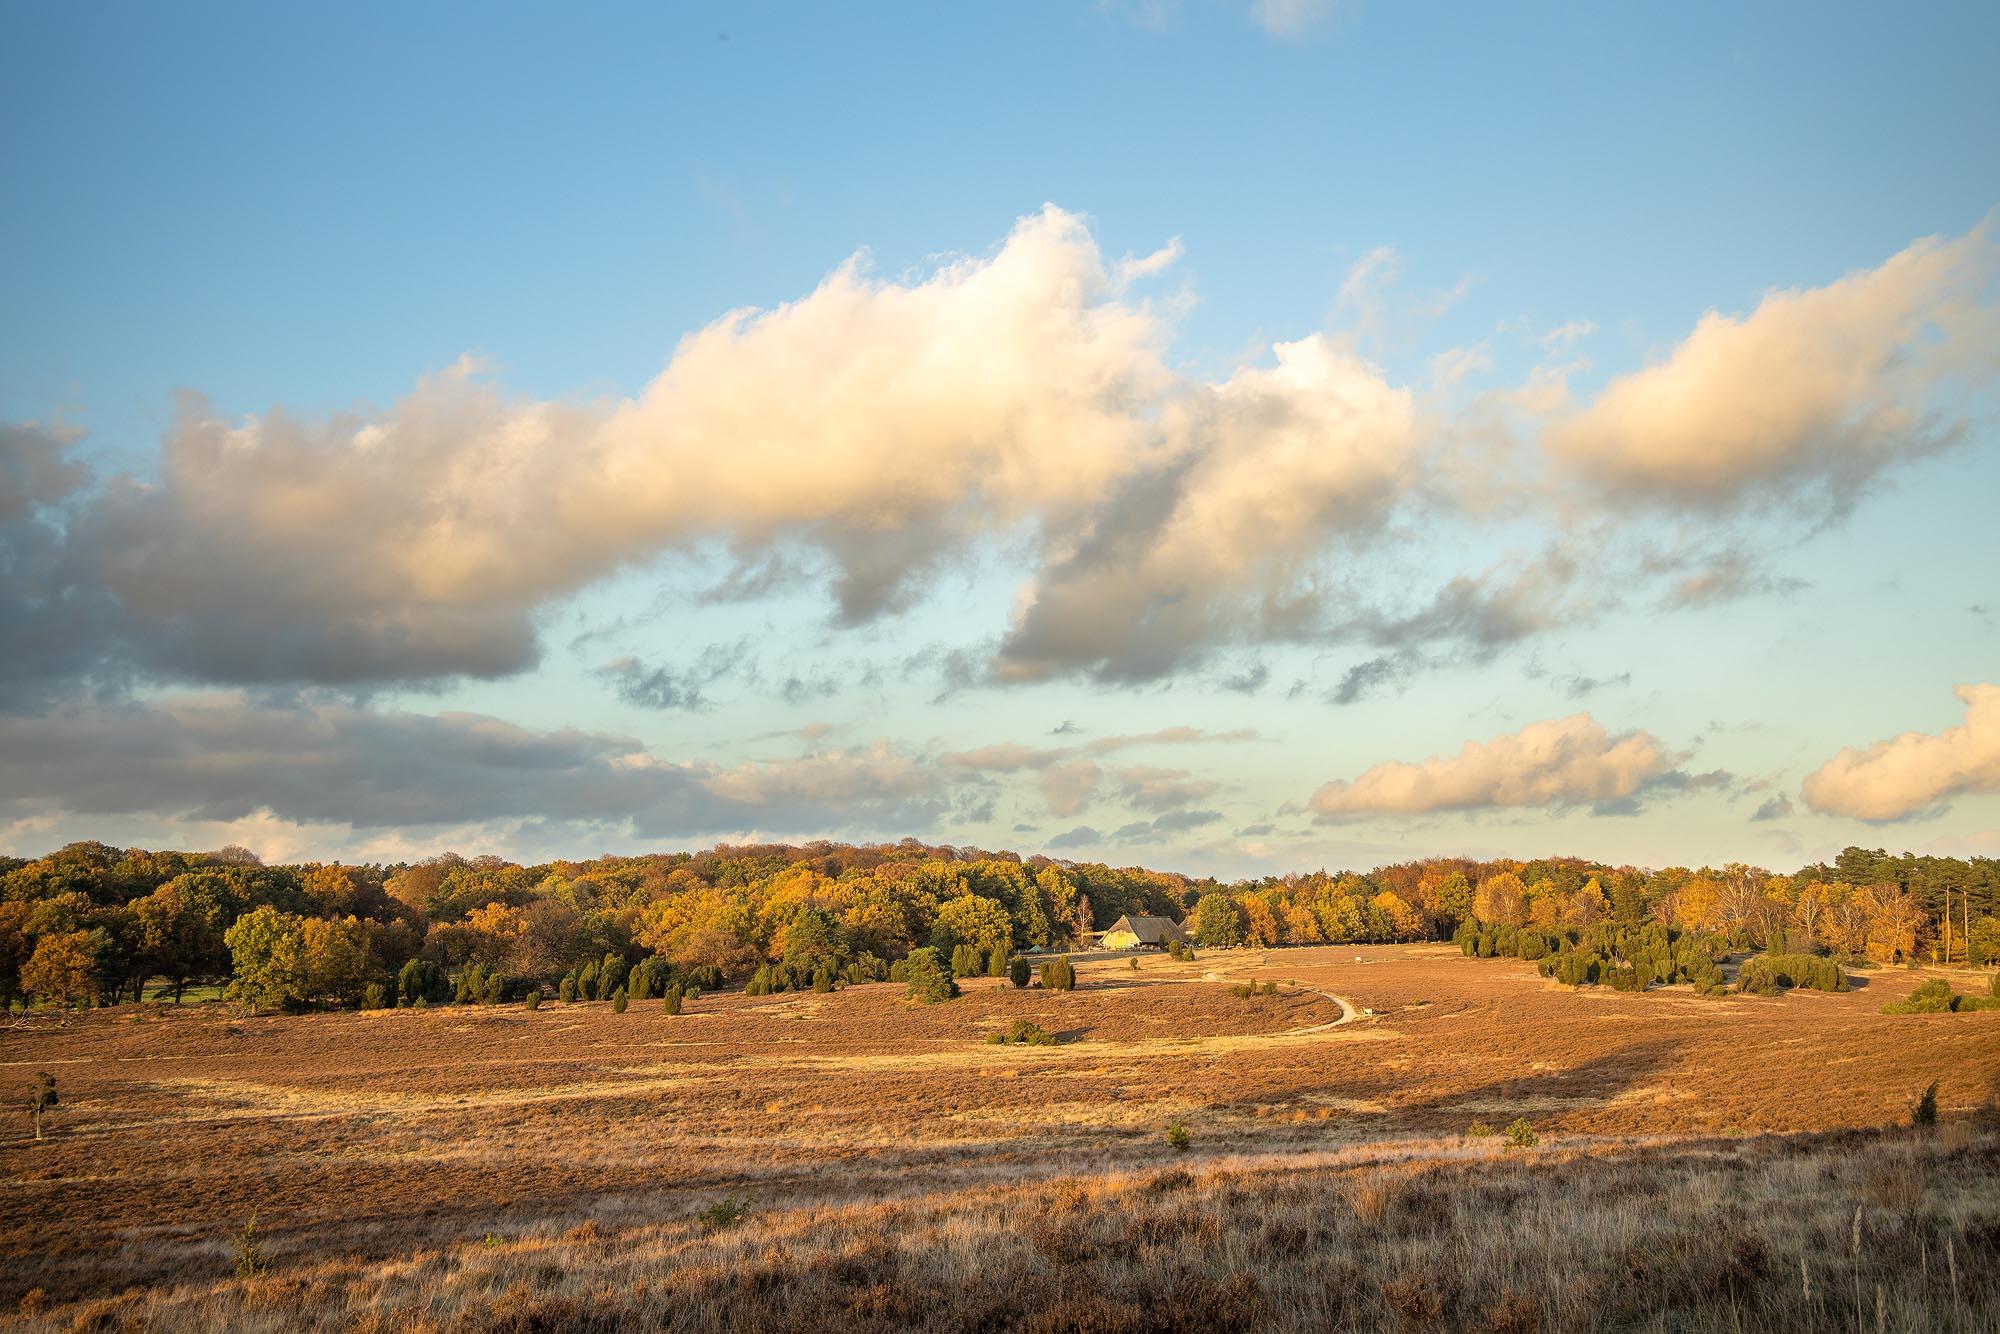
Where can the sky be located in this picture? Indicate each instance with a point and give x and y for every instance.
(1226, 437)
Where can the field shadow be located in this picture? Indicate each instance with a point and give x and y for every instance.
(1595, 1082)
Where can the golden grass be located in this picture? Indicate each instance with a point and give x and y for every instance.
(374, 1149)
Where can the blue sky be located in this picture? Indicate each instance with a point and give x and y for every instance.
(1475, 222)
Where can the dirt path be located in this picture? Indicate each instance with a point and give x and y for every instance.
(1348, 1014)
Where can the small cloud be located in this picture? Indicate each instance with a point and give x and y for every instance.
(1083, 836)
(1248, 681)
(1291, 18)
(668, 688)
(1358, 680)
(1067, 727)
(1565, 336)
(1777, 808)
(1174, 822)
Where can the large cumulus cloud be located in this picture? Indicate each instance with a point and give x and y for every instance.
(876, 430)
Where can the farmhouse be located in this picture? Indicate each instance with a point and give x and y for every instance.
(1151, 933)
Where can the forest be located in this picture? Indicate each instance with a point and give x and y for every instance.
(94, 924)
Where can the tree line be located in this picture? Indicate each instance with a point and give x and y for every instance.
(92, 923)
(1865, 905)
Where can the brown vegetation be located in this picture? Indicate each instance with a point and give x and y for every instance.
(899, 1169)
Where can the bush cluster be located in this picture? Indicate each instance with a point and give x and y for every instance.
(1767, 974)
(1022, 1032)
(1937, 997)
(1059, 974)
(1626, 958)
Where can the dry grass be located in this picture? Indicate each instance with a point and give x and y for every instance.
(902, 1171)
(1748, 1235)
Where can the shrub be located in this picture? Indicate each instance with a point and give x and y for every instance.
(648, 978)
(930, 979)
(1022, 1032)
(375, 996)
(1270, 988)
(1480, 1130)
(586, 982)
(725, 1212)
(1134, 962)
(671, 1002)
(618, 1001)
(567, 991)
(1243, 991)
(764, 981)
(823, 980)
(1521, 1135)
(1923, 1112)
(495, 987)
(1178, 1138)
(250, 1258)
(1932, 997)
(470, 986)
(967, 961)
(1059, 974)
(1018, 971)
(610, 976)
(1767, 973)
(422, 979)
(899, 971)
(534, 1001)
(1000, 963)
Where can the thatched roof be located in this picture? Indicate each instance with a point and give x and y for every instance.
(1149, 930)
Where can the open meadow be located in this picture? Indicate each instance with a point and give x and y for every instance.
(807, 1160)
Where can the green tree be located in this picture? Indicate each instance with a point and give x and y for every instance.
(977, 921)
(1059, 974)
(267, 957)
(929, 977)
(63, 969)
(1218, 921)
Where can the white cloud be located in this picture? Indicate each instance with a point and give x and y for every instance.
(1019, 405)
(884, 425)
(1823, 385)
(1290, 18)
(1274, 467)
(1561, 761)
(1911, 772)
